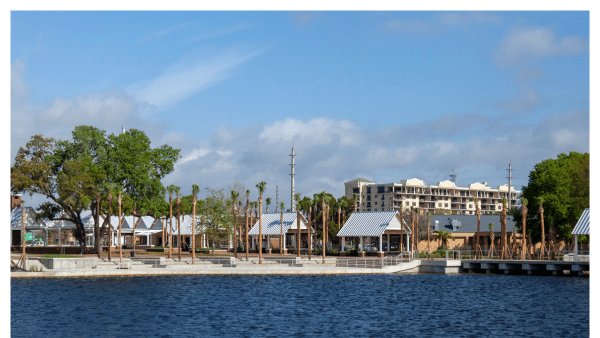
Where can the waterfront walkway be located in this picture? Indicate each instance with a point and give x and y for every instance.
(281, 265)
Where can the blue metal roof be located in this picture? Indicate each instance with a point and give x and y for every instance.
(370, 223)
(583, 224)
(271, 223)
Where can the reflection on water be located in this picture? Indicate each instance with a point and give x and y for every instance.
(421, 305)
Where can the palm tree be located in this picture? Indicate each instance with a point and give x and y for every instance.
(503, 229)
(177, 189)
(195, 190)
(281, 231)
(268, 203)
(492, 237)
(247, 212)
(170, 189)
(354, 199)
(443, 235)
(478, 213)
(234, 196)
(261, 188)
(523, 221)
(541, 211)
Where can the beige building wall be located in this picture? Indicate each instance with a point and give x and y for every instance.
(415, 193)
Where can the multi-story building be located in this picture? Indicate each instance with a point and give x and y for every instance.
(444, 196)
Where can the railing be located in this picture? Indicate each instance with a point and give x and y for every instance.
(514, 254)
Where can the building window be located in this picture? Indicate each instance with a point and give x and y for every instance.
(355, 191)
(382, 197)
(380, 189)
(368, 204)
(446, 205)
(375, 196)
(375, 204)
(368, 190)
(414, 204)
(368, 197)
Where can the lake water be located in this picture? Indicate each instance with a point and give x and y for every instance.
(416, 305)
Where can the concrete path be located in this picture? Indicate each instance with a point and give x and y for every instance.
(215, 266)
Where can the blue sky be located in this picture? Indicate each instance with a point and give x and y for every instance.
(383, 95)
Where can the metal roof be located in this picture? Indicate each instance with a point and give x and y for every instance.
(271, 223)
(583, 224)
(371, 223)
(30, 223)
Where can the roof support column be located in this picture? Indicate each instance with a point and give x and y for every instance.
(576, 248)
(361, 243)
(389, 244)
(380, 243)
(59, 238)
(343, 244)
(284, 241)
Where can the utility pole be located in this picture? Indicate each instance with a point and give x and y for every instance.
(453, 176)
(276, 198)
(509, 178)
(293, 208)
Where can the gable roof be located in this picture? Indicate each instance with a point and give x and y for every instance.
(271, 223)
(30, 222)
(372, 223)
(583, 224)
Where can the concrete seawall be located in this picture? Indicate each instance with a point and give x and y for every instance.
(150, 266)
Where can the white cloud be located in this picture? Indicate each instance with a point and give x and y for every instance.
(530, 43)
(183, 79)
(329, 151)
(164, 32)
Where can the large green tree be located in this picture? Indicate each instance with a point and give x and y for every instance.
(72, 175)
(563, 186)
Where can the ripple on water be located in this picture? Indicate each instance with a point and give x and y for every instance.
(420, 305)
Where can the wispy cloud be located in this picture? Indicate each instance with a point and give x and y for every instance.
(458, 18)
(525, 100)
(438, 23)
(183, 79)
(164, 32)
(224, 31)
(527, 44)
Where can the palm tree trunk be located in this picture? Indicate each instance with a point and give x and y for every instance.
(194, 230)
(281, 234)
(247, 248)
(170, 225)
(178, 228)
(97, 227)
(476, 246)
(309, 232)
(324, 243)
(298, 228)
(412, 228)
(109, 224)
(260, 200)
(428, 235)
(134, 227)
(119, 200)
(543, 232)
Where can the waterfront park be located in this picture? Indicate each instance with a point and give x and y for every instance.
(104, 220)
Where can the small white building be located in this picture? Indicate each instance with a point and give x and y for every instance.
(272, 228)
(376, 224)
